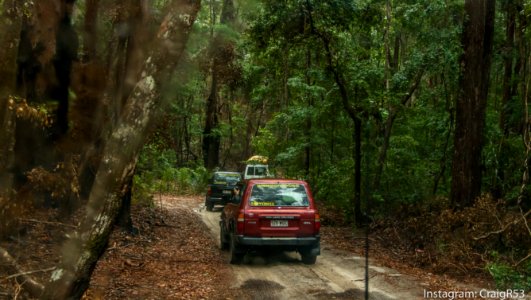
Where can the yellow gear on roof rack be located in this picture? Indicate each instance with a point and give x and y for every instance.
(257, 159)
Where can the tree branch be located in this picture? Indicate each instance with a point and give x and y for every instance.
(523, 259)
(48, 223)
(29, 272)
(504, 227)
(29, 284)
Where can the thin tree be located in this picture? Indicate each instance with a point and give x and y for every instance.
(221, 52)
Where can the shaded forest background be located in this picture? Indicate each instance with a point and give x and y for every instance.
(418, 108)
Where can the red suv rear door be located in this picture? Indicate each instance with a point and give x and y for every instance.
(281, 209)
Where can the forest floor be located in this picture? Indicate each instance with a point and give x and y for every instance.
(176, 256)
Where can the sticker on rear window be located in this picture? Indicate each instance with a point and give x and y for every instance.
(278, 185)
(262, 203)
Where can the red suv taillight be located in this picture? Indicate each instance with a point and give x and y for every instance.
(240, 223)
(209, 192)
(317, 223)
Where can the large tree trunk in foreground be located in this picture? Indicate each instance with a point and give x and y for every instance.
(82, 251)
(472, 102)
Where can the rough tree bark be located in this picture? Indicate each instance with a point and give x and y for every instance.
(87, 244)
(472, 101)
(129, 70)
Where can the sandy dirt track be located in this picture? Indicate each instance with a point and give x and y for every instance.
(336, 274)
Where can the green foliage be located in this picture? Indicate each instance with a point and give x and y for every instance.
(335, 186)
(157, 174)
(190, 181)
(399, 63)
(263, 142)
(143, 189)
(226, 33)
(287, 104)
(406, 169)
(510, 277)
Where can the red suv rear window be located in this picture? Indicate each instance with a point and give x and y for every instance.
(278, 194)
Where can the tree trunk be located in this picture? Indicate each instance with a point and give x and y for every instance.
(211, 138)
(10, 26)
(90, 37)
(506, 110)
(444, 158)
(7, 146)
(66, 47)
(508, 65)
(220, 61)
(82, 251)
(357, 155)
(308, 128)
(124, 220)
(357, 172)
(354, 114)
(134, 54)
(472, 102)
(382, 155)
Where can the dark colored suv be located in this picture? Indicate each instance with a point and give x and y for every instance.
(220, 188)
(276, 213)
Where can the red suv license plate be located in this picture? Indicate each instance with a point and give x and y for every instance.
(279, 223)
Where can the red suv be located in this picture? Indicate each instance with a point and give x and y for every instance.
(271, 212)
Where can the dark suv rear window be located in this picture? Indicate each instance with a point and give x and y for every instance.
(223, 178)
(279, 194)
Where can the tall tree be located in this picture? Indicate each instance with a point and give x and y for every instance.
(221, 51)
(477, 41)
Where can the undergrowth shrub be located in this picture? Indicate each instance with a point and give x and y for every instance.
(10, 214)
(334, 188)
(508, 276)
(143, 189)
(487, 237)
(157, 174)
(175, 181)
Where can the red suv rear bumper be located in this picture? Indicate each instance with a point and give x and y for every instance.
(278, 241)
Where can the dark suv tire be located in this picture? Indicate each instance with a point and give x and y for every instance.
(236, 256)
(209, 205)
(308, 259)
(224, 241)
